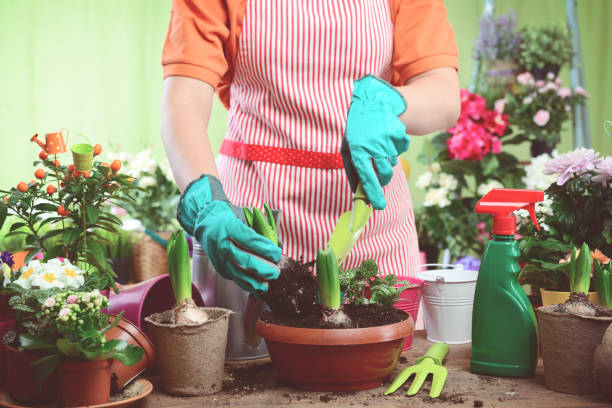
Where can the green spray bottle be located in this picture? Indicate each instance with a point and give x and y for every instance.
(504, 327)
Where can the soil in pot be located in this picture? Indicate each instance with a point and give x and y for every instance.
(294, 293)
(190, 357)
(568, 343)
(361, 315)
(84, 383)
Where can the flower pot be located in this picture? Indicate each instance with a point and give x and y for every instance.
(149, 257)
(335, 359)
(84, 383)
(190, 357)
(602, 364)
(448, 301)
(122, 267)
(122, 375)
(20, 384)
(146, 298)
(551, 297)
(409, 302)
(5, 326)
(568, 343)
(539, 147)
(542, 73)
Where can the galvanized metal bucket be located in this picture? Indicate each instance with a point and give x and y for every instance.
(242, 341)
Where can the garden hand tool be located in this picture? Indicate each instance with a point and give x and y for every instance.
(374, 137)
(205, 212)
(430, 363)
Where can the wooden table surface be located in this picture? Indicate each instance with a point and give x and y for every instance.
(462, 389)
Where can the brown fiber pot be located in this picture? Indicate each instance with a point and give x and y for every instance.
(190, 358)
(568, 343)
(335, 359)
(84, 383)
(19, 382)
(602, 361)
(122, 375)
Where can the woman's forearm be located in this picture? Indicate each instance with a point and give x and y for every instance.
(432, 100)
(185, 112)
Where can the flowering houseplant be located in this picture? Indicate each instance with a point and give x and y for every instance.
(466, 162)
(545, 49)
(155, 202)
(498, 39)
(539, 108)
(577, 209)
(72, 203)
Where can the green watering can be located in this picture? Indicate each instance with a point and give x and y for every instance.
(430, 363)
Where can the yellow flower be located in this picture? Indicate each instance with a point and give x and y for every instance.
(6, 270)
(27, 274)
(49, 277)
(71, 273)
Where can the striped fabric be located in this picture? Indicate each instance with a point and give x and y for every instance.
(292, 87)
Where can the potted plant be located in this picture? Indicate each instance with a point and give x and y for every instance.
(539, 109)
(497, 47)
(576, 209)
(154, 205)
(190, 340)
(544, 50)
(571, 331)
(71, 331)
(602, 359)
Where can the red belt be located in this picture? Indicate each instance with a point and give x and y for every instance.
(281, 155)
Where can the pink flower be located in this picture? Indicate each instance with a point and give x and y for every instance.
(481, 226)
(496, 145)
(558, 81)
(72, 299)
(581, 91)
(539, 83)
(63, 314)
(550, 76)
(564, 92)
(576, 162)
(541, 117)
(525, 78)
(50, 302)
(604, 171)
(499, 105)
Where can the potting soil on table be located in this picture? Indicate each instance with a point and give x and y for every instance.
(362, 316)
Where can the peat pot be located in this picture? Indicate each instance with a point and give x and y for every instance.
(335, 359)
(568, 343)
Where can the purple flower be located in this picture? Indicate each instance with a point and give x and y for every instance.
(498, 39)
(7, 258)
(576, 162)
(469, 263)
(604, 171)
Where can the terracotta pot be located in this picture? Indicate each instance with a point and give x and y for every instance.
(122, 375)
(20, 383)
(5, 326)
(551, 297)
(335, 359)
(568, 343)
(84, 383)
(191, 357)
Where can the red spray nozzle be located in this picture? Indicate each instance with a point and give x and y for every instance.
(502, 202)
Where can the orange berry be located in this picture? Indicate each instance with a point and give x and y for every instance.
(71, 167)
(57, 163)
(50, 190)
(129, 179)
(6, 199)
(22, 186)
(115, 165)
(40, 174)
(97, 149)
(77, 174)
(106, 185)
(86, 174)
(43, 155)
(105, 164)
(62, 211)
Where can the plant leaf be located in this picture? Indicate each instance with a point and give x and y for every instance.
(43, 368)
(93, 212)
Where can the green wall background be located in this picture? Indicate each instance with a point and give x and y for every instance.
(93, 66)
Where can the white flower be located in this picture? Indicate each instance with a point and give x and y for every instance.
(436, 196)
(525, 78)
(550, 76)
(535, 179)
(484, 188)
(133, 225)
(500, 105)
(435, 167)
(424, 180)
(567, 108)
(448, 182)
(47, 280)
(146, 181)
(50, 302)
(527, 100)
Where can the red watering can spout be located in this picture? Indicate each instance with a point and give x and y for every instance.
(35, 139)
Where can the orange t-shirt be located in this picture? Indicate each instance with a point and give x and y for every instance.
(202, 40)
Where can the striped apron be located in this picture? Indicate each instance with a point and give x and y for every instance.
(292, 87)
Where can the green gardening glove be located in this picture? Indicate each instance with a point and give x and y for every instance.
(234, 248)
(374, 137)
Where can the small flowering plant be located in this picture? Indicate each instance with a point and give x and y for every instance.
(498, 38)
(577, 209)
(540, 108)
(55, 273)
(75, 328)
(73, 203)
